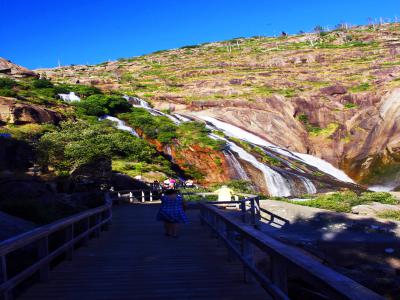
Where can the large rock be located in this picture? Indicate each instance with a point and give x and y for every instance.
(334, 90)
(9, 68)
(14, 112)
(373, 209)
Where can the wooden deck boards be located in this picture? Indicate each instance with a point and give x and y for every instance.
(134, 260)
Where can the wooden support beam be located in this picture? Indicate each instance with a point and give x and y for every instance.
(43, 251)
(69, 235)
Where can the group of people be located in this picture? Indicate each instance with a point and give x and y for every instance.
(172, 209)
(172, 183)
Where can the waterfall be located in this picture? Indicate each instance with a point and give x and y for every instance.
(277, 185)
(310, 187)
(182, 118)
(236, 132)
(120, 124)
(234, 163)
(71, 97)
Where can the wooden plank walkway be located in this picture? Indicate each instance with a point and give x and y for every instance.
(134, 260)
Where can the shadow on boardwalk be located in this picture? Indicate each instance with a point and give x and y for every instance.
(134, 260)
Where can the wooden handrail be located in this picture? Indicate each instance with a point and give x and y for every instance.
(39, 237)
(284, 258)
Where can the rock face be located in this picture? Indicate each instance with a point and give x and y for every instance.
(9, 68)
(14, 112)
(15, 155)
(319, 95)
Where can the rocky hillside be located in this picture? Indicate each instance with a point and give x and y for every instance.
(331, 94)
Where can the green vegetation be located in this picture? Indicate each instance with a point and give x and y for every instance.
(148, 170)
(360, 88)
(42, 91)
(239, 186)
(390, 214)
(344, 201)
(324, 132)
(165, 131)
(79, 143)
(315, 130)
(350, 105)
(99, 105)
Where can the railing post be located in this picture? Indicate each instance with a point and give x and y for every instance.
(86, 227)
(130, 197)
(107, 214)
(253, 212)
(69, 236)
(279, 272)
(258, 212)
(43, 251)
(97, 220)
(3, 270)
(3, 278)
(247, 254)
(230, 236)
(243, 209)
(151, 196)
(143, 198)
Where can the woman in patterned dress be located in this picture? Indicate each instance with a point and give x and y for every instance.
(172, 212)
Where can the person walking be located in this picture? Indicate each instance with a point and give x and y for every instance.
(172, 212)
(224, 193)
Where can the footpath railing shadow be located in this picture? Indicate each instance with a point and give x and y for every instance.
(276, 266)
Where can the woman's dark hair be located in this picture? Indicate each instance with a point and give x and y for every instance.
(171, 192)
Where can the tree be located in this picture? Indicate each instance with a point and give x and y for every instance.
(78, 143)
(318, 29)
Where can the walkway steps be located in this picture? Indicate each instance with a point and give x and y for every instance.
(134, 260)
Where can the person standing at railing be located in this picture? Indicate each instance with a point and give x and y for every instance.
(224, 193)
(172, 212)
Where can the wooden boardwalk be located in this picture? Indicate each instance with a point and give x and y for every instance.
(134, 260)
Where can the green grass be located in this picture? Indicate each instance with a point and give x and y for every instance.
(390, 214)
(360, 88)
(148, 171)
(350, 105)
(344, 201)
(323, 132)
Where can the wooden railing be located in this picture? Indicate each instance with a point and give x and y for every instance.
(243, 239)
(72, 230)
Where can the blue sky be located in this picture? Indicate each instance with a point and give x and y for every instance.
(38, 33)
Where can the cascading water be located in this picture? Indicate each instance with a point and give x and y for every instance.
(71, 97)
(120, 124)
(235, 164)
(277, 184)
(236, 132)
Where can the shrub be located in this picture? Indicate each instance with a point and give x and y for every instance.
(390, 214)
(99, 105)
(42, 83)
(7, 83)
(78, 143)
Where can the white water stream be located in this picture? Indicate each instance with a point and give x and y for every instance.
(236, 132)
(120, 124)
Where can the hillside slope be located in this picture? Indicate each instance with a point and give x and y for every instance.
(331, 94)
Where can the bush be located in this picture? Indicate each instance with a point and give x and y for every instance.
(42, 83)
(344, 201)
(99, 105)
(7, 83)
(79, 143)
